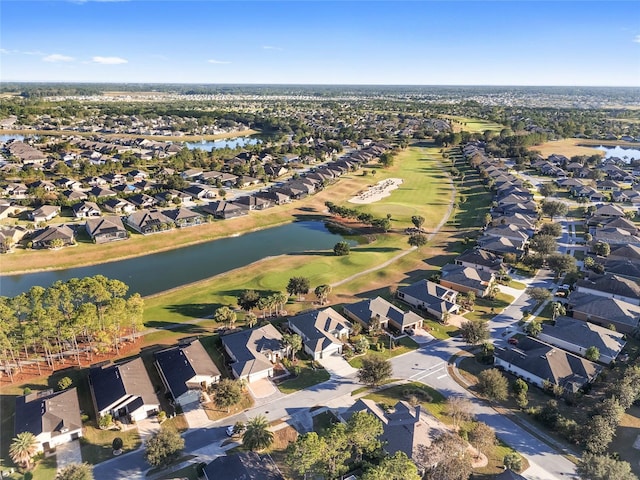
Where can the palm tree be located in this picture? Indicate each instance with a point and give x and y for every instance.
(322, 292)
(257, 436)
(23, 447)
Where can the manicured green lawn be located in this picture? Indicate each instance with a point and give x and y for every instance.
(483, 307)
(517, 285)
(433, 401)
(404, 345)
(307, 377)
(189, 472)
(96, 444)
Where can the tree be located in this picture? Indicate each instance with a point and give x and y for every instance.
(361, 345)
(493, 384)
(225, 316)
(539, 294)
(543, 244)
(520, 389)
(598, 434)
(293, 341)
(64, 383)
(474, 331)
(341, 249)
(512, 461)
(322, 292)
(117, 444)
(105, 421)
(418, 221)
(363, 430)
(468, 300)
(487, 219)
(560, 264)
(554, 209)
(533, 328)
(337, 452)
(374, 370)
(592, 353)
(298, 286)
(602, 249)
(603, 467)
(551, 229)
(418, 240)
(248, 300)
(163, 447)
(557, 310)
(250, 319)
(76, 471)
(23, 448)
(227, 393)
(257, 435)
(304, 455)
(395, 467)
(482, 437)
(445, 459)
(547, 189)
(459, 409)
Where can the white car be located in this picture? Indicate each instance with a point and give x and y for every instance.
(230, 431)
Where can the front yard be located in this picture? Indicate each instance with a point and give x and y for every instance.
(402, 345)
(309, 373)
(486, 309)
(95, 445)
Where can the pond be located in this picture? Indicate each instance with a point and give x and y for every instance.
(157, 272)
(225, 142)
(5, 138)
(625, 153)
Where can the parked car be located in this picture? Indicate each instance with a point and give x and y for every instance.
(512, 341)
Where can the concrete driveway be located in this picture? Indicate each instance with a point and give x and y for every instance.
(68, 453)
(337, 366)
(262, 388)
(195, 415)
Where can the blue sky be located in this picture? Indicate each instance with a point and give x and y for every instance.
(362, 42)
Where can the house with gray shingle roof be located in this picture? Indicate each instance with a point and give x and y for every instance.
(45, 238)
(54, 418)
(253, 352)
(466, 279)
(480, 260)
(149, 221)
(431, 297)
(537, 362)
(577, 336)
(106, 229)
(243, 466)
(385, 314)
(605, 311)
(322, 331)
(612, 286)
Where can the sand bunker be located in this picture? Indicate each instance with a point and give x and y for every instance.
(378, 191)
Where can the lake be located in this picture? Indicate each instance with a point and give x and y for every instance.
(5, 138)
(161, 271)
(225, 142)
(625, 153)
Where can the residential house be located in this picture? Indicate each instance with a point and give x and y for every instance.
(186, 369)
(605, 311)
(142, 201)
(322, 332)
(86, 210)
(467, 279)
(44, 185)
(276, 198)
(201, 192)
(577, 336)
(612, 286)
(183, 217)
(500, 245)
(509, 474)
(119, 206)
(403, 429)
(379, 313)
(243, 466)
(223, 209)
(480, 260)
(625, 252)
(518, 236)
(609, 210)
(44, 213)
(615, 237)
(9, 236)
(74, 195)
(53, 236)
(149, 221)
(16, 190)
(99, 192)
(624, 268)
(106, 229)
(435, 299)
(253, 352)
(252, 202)
(123, 390)
(538, 362)
(53, 417)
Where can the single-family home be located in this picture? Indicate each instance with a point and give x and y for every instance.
(149, 221)
(186, 369)
(99, 192)
(86, 210)
(252, 202)
(9, 236)
(53, 237)
(467, 279)
(538, 362)
(403, 429)
(53, 417)
(243, 466)
(431, 297)
(183, 217)
(322, 332)
(123, 390)
(577, 336)
(624, 268)
(612, 286)
(142, 200)
(379, 313)
(106, 229)
(480, 260)
(605, 311)
(44, 213)
(119, 206)
(253, 352)
(224, 210)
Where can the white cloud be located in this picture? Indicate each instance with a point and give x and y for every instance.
(4, 51)
(271, 47)
(57, 57)
(109, 60)
(218, 62)
(637, 39)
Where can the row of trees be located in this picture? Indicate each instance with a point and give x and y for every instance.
(383, 224)
(68, 319)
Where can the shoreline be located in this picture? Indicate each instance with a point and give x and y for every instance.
(168, 138)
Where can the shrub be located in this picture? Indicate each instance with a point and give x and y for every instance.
(105, 421)
(64, 383)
